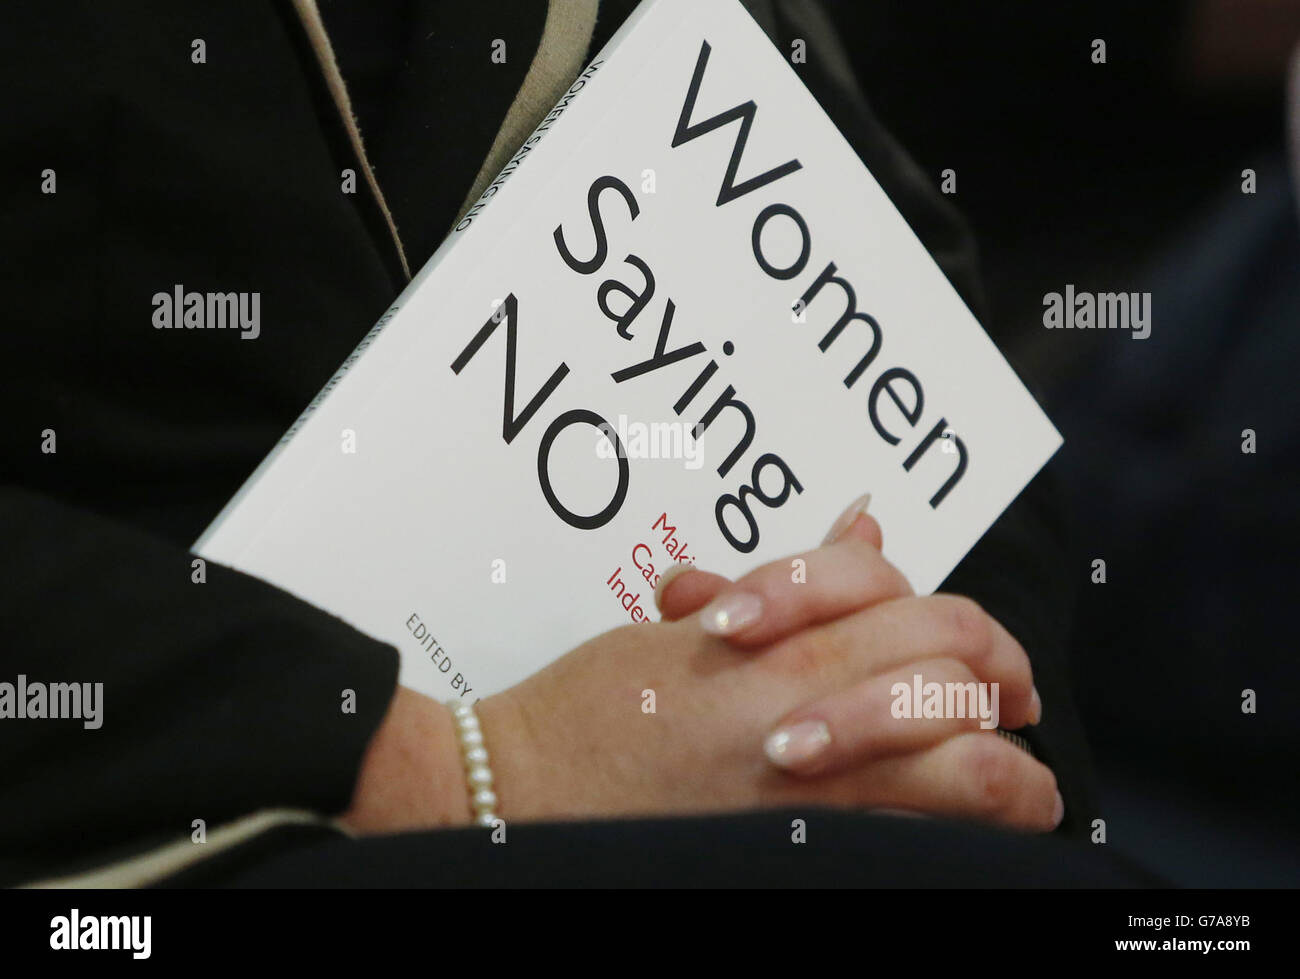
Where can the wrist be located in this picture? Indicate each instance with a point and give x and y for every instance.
(411, 776)
(520, 773)
(447, 770)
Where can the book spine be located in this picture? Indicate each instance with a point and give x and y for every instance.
(262, 467)
(582, 81)
(346, 366)
(528, 146)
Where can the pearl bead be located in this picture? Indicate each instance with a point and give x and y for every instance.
(474, 754)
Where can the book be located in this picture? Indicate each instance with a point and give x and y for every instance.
(684, 324)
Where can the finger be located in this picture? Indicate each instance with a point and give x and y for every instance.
(679, 602)
(684, 589)
(879, 717)
(676, 601)
(781, 598)
(894, 633)
(971, 776)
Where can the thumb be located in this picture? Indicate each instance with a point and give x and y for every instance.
(683, 590)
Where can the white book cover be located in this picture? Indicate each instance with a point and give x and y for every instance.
(685, 323)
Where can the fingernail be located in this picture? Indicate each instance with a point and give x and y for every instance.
(794, 746)
(1035, 706)
(845, 519)
(1059, 812)
(730, 613)
(677, 568)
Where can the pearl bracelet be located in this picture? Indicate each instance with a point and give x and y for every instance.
(474, 756)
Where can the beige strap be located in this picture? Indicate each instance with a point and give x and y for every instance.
(560, 55)
(1293, 121)
(150, 867)
(320, 42)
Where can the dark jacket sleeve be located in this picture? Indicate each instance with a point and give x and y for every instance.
(1017, 572)
(220, 697)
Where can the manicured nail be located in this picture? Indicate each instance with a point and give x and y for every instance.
(845, 519)
(729, 614)
(1035, 706)
(677, 568)
(1059, 812)
(794, 746)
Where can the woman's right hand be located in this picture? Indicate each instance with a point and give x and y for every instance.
(790, 707)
